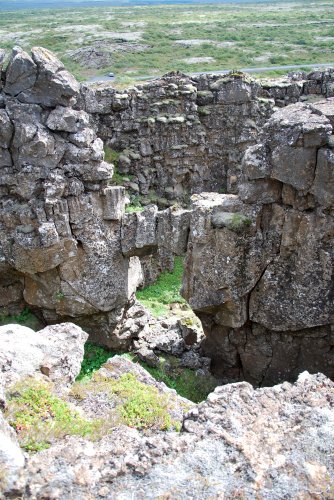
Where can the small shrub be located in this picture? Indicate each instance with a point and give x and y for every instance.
(135, 204)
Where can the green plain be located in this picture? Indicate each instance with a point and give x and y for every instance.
(230, 36)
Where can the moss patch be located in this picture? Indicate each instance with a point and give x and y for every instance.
(134, 403)
(39, 417)
(239, 222)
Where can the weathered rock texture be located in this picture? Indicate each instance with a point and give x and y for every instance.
(56, 351)
(259, 265)
(259, 259)
(244, 443)
(179, 135)
(60, 219)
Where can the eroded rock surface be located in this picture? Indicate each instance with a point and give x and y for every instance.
(60, 219)
(259, 258)
(259, 265)
(56, 351)
(272, 442)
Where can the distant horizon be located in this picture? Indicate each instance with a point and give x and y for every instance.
(12, 5)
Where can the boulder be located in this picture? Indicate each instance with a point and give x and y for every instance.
(258, 265)
(56, 351)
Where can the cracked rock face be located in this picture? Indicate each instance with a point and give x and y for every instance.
(259, 259)
(59, 218)
(270, 443)
(259, 267)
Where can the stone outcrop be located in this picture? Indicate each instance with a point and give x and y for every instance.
(259, 265)
(11, 457)
(269, 442)
(179, 135)
(259, 258)
(60, 219)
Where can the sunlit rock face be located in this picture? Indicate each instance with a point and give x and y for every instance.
(259, 265)
(60, 219)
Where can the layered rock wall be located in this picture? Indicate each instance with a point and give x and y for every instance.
(178, 135)
(60, 219)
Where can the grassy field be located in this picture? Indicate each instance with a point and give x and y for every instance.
(152, 40)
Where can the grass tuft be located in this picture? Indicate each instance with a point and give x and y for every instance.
(165, 291)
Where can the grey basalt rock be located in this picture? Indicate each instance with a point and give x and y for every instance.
(12, 460)
(60, 218)
(21, 73)
(139, 232)
(2, 59)
(67, 119)
(56, 351)
(258, 266)
(40, 79)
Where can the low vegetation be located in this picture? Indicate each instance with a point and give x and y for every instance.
(147, 41)
(239, 222)
(94, 357)
(24, 318)
(165, 291)
(141, 406)
(133, 403)
(39, 417)
(187, 383)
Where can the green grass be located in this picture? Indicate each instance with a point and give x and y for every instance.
(94, 357)
(111, 156)
(135, 404)
(185, 381)
(142, 405)
(234, 35)
(39, 417)
(25, 318)
(165, 291)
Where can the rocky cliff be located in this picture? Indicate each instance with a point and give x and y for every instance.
(259, 258)
(259, 269)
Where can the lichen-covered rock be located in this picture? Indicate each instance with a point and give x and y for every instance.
(272, 442)
(56, 351)
(60, 220)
